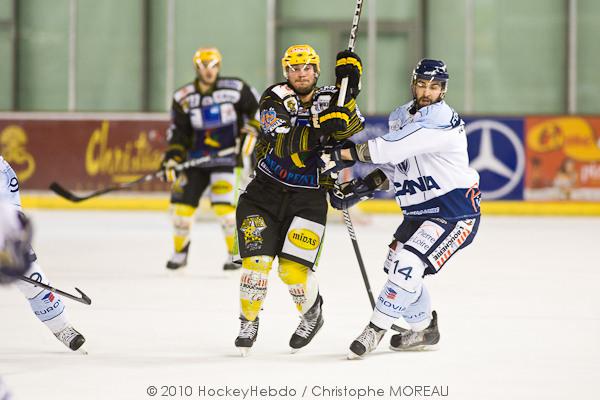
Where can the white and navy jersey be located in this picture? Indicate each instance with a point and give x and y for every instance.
(428, 162)
(9, 184)
(204, 124)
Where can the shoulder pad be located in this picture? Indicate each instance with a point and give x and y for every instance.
(230, 83)
(439, 115)
(398, 117)
(183, 92)
(282, 90)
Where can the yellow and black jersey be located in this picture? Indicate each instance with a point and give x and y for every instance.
(290, 146)
(203, 124)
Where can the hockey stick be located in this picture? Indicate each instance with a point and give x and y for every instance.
(351, 42)
(66, 194)
(83, 299)
(361, 264)
(347, 220)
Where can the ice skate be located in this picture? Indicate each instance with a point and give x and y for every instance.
(310, 324)
(179, 258)
(229, 265)
(366, 342)
(414, 341)
(247, 336)
(71, 338)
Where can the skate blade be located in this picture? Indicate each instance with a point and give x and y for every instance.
(82, 350)
(244, 351)
(424, 347)
(353, 356)
(293, 350)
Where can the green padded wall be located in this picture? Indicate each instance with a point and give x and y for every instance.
(519, 48)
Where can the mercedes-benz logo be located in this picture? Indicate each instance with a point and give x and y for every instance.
(486, 159)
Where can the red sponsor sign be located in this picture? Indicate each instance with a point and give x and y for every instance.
(83, 154)
(563, 158)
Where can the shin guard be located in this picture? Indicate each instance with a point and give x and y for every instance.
(253, 284)
(302, 283)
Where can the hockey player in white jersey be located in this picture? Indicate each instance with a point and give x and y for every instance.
(424, 156)
(15, 242)
(48, 307)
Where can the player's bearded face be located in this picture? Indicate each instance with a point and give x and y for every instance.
(427, 92)
(208, 71)
(302, 77)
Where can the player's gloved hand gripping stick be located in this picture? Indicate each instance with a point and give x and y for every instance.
(66, 194)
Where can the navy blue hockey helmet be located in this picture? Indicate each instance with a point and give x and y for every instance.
(430, 70)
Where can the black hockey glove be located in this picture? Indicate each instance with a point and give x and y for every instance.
(345, 195)
(333, 119)
(348, 64)
(172, 157)
(333, 160)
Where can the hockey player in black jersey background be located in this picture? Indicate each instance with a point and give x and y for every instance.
(283, 211)
(208, 115)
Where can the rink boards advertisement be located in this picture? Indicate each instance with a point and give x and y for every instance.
(545, 158)
(83, 154)
(549, 158)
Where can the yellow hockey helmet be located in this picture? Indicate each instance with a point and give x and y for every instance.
(210, 56)
(300, 54)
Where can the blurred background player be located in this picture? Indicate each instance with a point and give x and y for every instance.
(210, 114)
(425, 152)
(284, 208)
(48, 307)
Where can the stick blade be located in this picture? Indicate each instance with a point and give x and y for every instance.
(64, 193)
(84, 297)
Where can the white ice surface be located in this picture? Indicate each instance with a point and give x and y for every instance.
(519, 315)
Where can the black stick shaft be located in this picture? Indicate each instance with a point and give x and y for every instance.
(83, 299)
(351, 43)
(361, 264)
(68, 195)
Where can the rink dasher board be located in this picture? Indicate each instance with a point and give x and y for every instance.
(144, 202)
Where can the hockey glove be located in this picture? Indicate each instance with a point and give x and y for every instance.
(332, 120)
(345, 195)
(348, 64)
(173, 157)
(15, 252)
(333, 160)
(250, 132)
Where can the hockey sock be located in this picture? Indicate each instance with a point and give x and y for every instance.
(226, 215)
(48, 307)
(302, 283)
(403, 288)
(182, 215)
(418, 314)
(253, 284)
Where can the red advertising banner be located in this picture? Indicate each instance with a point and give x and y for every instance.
(83, 154)
(563, 158)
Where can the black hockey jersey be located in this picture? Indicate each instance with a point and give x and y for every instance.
(289, 148)
(203, 124)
